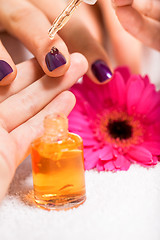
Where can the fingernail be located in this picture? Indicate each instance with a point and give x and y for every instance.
(5, 69)
(101, 71)
(54, 59)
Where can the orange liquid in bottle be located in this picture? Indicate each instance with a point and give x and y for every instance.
(58, 172)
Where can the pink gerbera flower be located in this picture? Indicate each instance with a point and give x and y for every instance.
(119, 121)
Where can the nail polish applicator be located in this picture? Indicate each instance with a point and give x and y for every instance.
(66, 14)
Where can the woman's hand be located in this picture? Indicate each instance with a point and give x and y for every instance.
(30, 25)
(141, 18)
(23, 106)
(30, 20)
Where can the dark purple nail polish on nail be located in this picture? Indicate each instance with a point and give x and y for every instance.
(54, 59)
(101, 71)
(5, 69)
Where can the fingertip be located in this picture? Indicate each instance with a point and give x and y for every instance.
(100, 72)
(65, 102)
(56, 63)
(53, 57)
(80, 62)
(8, 73)
(69, 98)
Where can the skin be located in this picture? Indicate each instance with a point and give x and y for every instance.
(141, 18)
(27, 103)
(84, 33)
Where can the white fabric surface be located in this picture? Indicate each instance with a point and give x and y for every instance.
(119, 206)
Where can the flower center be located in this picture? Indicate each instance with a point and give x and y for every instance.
(119, 129)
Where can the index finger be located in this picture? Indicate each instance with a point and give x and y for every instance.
(8, 69)
(30, 25)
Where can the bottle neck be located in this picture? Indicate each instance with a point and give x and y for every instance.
(56, 127)
(55, 137)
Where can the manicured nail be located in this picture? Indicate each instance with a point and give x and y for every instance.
(101, 71)
(5, 69)
(54, 59)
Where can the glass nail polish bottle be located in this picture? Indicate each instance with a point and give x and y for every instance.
(58, 166)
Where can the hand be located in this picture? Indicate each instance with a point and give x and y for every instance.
(141, 18)
(30, 20)
(120, 41)
(26, 22)
(84, 33)
(23, 106)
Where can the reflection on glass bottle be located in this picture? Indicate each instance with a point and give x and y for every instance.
(58, 166)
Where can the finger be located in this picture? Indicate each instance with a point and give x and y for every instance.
(33, 128)
(120, 40)
(21, 138)
(27, 73)
(31, 100)
(150, 8)
(30, 25)
(7, 67)
(79, 39)
(144, 29)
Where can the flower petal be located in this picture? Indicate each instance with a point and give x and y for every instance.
(89, 110)
(109, 166)
(155, 160)
(117, 89)
(122, 163)
(154, 102)
(152, 133)
(146, 80)
(135, 88)
(146, 99)
(86, 135)
(89, 142)
(106, 153)
(87, 152)
(94, 90)
(121, 90)
(91, 160)
(153, 147)
(153, 116)
(140, 154)
(80, 121)
(124, 71)
(100, 165)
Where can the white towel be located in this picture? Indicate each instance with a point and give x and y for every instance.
(119, 206)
